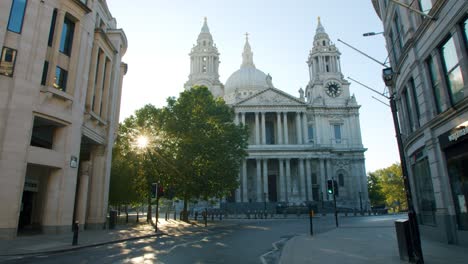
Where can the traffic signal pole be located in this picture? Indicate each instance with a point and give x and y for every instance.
(334, 202)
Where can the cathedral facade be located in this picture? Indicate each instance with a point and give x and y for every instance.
(296, 144)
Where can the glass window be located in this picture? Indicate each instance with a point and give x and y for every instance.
(67, 36)
(425, 6)
(44, 73)
(398, 31)
(341, 179)
(424, 191)
(7, 61)
(408, 109)
(465, 31)
(310, 130)
(453, 71)
(435, 81)
(61, 76)
(337, 131)
(457, 166)
(393, 49)
(15, 23)
(414, 95)
(52, 28)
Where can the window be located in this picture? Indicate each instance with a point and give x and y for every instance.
(408, 108)
(204, 58)
(415, 100)
(310, 130)
(452, 70)
(61, 79)
(67, 36)
(424, 190)
(44, 73)
(15, 23)
(435, 81)
(398, 31)
(394, 51)
(337, 132)
(204, 68)
(465, 31)
(425, 6)
(341, 179)
(7, 61)
(52, 28)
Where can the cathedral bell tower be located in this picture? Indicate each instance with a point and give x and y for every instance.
(204, 63)
(326, 84)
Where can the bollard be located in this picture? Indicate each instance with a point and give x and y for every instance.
(166, 216)
(175, 215)
(206, 217)
(76, 229)
(311, 214)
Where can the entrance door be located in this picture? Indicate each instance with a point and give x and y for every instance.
(272, 194)
(26, 210)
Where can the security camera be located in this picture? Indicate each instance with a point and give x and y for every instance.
(387, 75)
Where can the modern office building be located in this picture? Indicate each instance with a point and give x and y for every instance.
(296, 144)
(61, 75)
(427, 42)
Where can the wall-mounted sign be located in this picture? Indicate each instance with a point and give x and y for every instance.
(73, 162)
(453, 136)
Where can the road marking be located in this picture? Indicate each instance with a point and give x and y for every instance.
(275, 248)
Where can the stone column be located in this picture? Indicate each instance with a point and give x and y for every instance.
(310, 197)
(259, 181)
(82, 198)
(305, 128)
(285, 124)
(298, 128)
(236, 118)
(263, 129)
(96, 211)
(302, 184)
(265, 179)
(282, 184)
(288, 179)
(323, 179)
(278, 128)
(257, 130)
(244, 182)
(243, 118)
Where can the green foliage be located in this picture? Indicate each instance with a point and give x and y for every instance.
(376, 195)
(389, 183)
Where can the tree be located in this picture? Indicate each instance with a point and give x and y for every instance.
(391, 181)
(206, 146)
(376, 196)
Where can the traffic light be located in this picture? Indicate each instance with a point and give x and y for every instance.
(335, 186)
(330, 187)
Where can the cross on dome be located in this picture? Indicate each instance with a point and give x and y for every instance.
(247, 55)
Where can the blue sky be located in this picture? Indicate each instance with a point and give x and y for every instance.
(161, 33)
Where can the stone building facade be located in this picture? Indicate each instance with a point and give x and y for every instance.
(61, 75)
(428, 51)
(296, 144)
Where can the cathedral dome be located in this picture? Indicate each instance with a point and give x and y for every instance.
(247, 79)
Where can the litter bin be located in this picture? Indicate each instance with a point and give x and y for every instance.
(112, 219)
(405, 246)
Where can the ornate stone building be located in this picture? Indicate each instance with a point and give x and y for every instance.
(61, 74)
(296, 144)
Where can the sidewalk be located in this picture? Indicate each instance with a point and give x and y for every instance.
(38, 244)
(374, 242)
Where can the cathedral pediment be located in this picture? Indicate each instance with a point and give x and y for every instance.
(271, 97)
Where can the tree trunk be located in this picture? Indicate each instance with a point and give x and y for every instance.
(184, 212)
(148, 214)
(138, 215)
(126, 214)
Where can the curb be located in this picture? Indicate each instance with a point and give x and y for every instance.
(78, 247)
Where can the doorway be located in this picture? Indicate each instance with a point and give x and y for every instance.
(272, 193)
(26, 210)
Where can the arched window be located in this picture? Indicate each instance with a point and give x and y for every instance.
(341, 179)
(324, 43)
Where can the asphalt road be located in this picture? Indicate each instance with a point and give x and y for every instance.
(247, 242)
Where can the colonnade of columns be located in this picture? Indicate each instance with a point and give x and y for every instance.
(282, 130)
(293, 178)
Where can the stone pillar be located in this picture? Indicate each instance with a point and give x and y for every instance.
(323, 179)
(244, 182)
(288, 179)
(310, 197)
(96, 212)
(285, 124)
(263, 129)
(243, 118)
(86, 169)
(257, 130)
(305, 128)
(236, 118)
(278, 128)
(282, 184)
(298, 128)
(265, 179)
(302, 184)
(259, 181)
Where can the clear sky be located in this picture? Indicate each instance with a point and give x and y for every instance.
(161, 33)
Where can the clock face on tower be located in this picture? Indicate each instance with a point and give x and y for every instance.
(333, 89)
